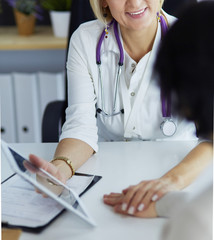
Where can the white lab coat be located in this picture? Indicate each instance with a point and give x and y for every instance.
(139, 93)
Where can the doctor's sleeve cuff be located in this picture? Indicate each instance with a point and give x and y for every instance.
(92, 144)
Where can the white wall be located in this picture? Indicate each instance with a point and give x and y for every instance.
(32, 60)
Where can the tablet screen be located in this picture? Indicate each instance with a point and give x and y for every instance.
(47, 184)
(42, 177)
(46, 180)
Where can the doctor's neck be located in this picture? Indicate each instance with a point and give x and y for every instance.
(137, 43)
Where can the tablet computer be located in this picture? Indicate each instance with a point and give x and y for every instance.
(63, 195)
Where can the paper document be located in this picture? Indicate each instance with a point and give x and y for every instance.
(22, 206)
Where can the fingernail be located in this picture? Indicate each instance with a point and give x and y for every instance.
(155, 197)
(124, 206)
(131, 210)
(140, 207)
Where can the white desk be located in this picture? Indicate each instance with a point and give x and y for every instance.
(120, 164)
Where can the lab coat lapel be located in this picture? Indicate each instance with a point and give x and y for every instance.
(109, 53)
(112, 45)
(125, 98)
(144, 84)
(124, 89)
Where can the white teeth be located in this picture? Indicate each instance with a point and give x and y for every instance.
(136, 13)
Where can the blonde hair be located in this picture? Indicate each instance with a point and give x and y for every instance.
(99, 11)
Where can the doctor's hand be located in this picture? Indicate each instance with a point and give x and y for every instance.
(139, 198)
(55, 170)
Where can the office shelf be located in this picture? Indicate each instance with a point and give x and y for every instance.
(43, 38)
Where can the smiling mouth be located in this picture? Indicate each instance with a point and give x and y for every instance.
(137, 13)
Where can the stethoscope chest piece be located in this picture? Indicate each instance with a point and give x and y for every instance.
(168, 127)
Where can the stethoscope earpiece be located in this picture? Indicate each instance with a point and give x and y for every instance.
(168, 127)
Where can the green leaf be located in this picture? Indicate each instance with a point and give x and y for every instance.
(56, 5)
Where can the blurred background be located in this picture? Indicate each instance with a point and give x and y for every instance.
(32, 64)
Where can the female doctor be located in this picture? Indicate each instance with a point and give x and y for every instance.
(112, 95)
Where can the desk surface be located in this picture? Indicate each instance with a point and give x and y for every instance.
(42, 38)
(121, 164)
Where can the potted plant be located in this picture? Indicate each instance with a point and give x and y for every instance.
(59, 15)
(26, 12)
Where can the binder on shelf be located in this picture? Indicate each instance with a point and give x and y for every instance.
(27, 107)
(8, 119)
(51, 88)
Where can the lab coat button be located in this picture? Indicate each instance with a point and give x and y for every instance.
(133, 128)
(132, 94)
(133, 67)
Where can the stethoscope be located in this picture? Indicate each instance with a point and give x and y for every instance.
(120, 64)
(168, 126)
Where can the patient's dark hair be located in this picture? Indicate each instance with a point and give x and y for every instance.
(185, 64)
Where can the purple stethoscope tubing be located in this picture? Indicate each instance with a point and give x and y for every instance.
(98, 60)
(166, 102)
(120, 64)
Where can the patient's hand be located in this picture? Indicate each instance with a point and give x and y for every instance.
(116, 200)
(138, 200)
